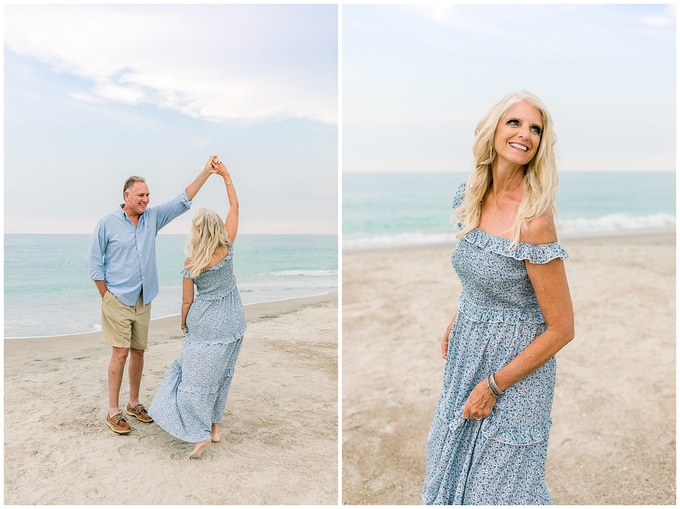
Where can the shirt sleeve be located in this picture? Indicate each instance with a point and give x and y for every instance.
(94, 261)
(166, 212)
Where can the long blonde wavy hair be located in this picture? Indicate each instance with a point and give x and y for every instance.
(208, 232)
(540, 175)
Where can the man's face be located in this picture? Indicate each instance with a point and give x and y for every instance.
(137, 198)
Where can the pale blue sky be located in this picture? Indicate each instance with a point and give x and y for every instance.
(96, 93)
(416, 80)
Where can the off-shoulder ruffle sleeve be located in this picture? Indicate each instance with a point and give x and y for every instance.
(534, 253)
(459, 195)
(458, 199)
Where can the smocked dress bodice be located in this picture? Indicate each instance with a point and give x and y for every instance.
(496, 286)
(216, 314)
(217, 281)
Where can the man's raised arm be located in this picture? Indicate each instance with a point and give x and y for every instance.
(193, 188)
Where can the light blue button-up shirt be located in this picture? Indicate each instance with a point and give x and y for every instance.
(124, 256)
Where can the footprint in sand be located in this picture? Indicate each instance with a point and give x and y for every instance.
(181, 455)
(128, 449)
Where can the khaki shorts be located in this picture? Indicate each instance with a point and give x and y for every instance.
(125, 326)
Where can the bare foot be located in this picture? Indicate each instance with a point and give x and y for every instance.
(198, 449)
(216, 433)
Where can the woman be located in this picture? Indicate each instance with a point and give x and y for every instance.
(191, 400)
(489, 437)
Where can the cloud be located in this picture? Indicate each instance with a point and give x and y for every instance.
(214, 62)
(657, 21)
(455, 16)
(665, 18)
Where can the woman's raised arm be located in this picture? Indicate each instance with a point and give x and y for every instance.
(231, 222)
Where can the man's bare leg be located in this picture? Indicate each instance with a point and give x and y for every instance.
(116, 367)
(135, 373)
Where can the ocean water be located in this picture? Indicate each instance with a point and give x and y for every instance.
(388, 210)
(48, 291)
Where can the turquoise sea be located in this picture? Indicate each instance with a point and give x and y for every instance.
(48, 291)
(382, 210)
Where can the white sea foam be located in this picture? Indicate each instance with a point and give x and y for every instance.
(303, 273)
(617, 223)
(605, 225)
(400, 240)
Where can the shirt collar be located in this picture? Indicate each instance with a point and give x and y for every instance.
(125, 216)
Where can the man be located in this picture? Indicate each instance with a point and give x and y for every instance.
(122, 262)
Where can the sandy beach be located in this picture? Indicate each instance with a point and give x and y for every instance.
(280, 430)
(613, 435)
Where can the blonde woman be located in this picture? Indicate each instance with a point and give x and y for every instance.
(191, 400)
(489, 437)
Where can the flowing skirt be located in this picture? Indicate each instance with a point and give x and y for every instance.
(194, 393)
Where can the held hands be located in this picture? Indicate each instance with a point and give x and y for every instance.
(216, 167)
(209, 166)
(480, 403)
(219, 168)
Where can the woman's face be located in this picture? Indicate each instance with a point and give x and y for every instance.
(518, 134)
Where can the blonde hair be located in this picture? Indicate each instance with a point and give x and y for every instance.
(540, 175)
(208, 232)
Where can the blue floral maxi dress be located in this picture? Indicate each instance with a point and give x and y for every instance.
(501, 459)
(194, 393)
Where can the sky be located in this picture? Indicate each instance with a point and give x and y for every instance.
(96, 93)
(417, 79)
